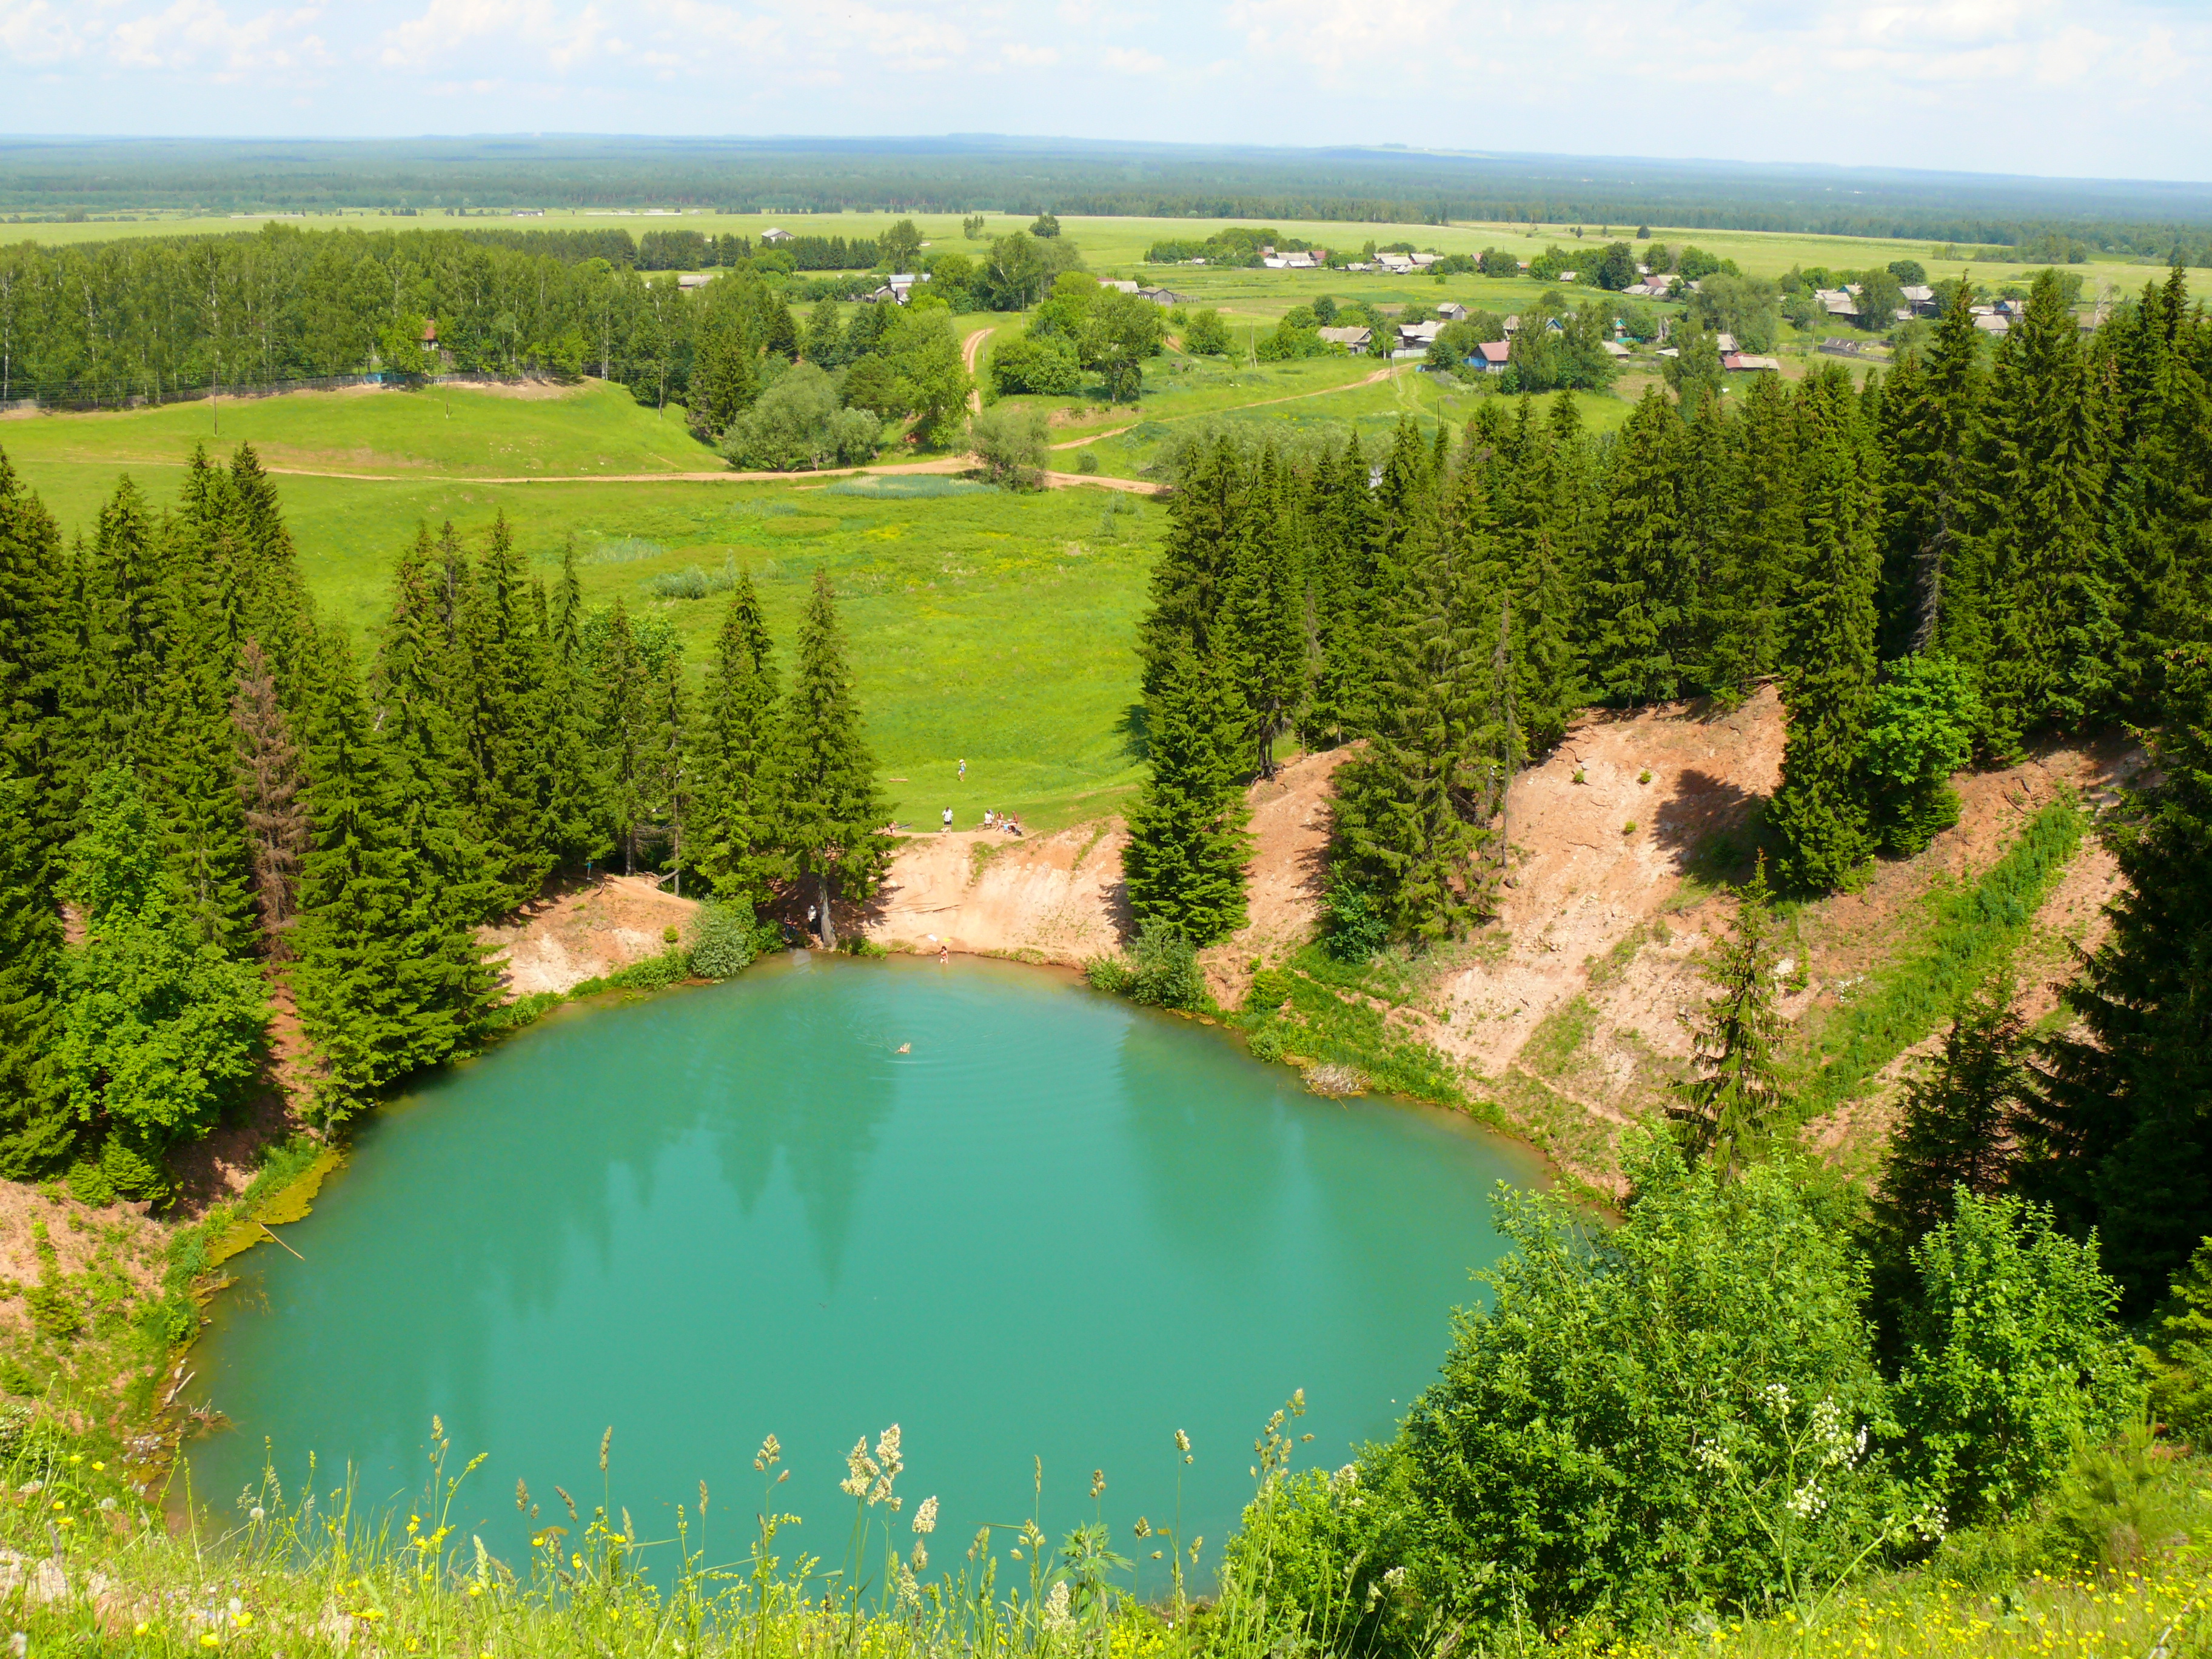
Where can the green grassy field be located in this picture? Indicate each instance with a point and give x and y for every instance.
(987, 626)
(1116, 246)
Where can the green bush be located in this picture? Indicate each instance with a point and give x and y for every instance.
(1354, 926)
(2116, 1505)
(1162, 971)
(1205, 335)
(2013, 1359)
(652, 973)
(724, 946)
(1046, 366)
(1921, 730)
(1679, 1411)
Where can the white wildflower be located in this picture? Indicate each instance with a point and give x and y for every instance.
(1057, 1618)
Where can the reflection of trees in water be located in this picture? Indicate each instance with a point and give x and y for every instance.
(519, 1170)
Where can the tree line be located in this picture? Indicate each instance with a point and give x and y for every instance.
(157, 317)
(1984, 545)
(208, 799)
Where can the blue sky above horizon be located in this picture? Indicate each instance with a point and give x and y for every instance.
(2117, 90)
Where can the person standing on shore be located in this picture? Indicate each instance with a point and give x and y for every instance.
(948, 820)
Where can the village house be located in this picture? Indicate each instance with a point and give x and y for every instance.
(1920, 297)
(1163, 296)
(1352, 339)
(1743, 361)
(1452, 311)
(1490, 357)
(691, 279)
(772, 236)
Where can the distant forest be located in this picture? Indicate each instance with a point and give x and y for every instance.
(55, 178)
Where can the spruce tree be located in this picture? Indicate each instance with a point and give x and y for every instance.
(1821, 810)
(499, 677)
(2052, 597)
(625, 723)
(269, 792)
(673, 736)
(1206, 523)
(413, 689)
(1956, 1130)
(572, 812)
(1185, 861)
(735, 818)
(1727, 1114)
(1639, 589)
(1413, 809)
(193, 768)
(1263, 613)
(832, 816)
(114, 694)
(34, 602)
(389, 978)
(1927, 424)
(274, 607)
(36, 1124)
(1340, 584)
(1764, 541)
(2120, 1139)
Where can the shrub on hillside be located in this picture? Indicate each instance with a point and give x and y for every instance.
(1681, 1410)
(1920, 731)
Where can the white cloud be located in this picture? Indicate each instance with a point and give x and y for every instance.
(2015, 85)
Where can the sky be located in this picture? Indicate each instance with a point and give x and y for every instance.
(2101, 88)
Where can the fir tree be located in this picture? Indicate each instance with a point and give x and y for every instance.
(274, 606)
(114, 693)
(1184, 863)
(389, 978)
(498, 678)
(735, 818)
(625, 734)
(1928, 417)
(672, 739)
(2121, 1137)
(1639, 588)
(1821, 810)
(1340, 584)
(832, 816)
(269, 795)
(572, 811)
(1956, 1131)
(1262, 622)
(195, 784)
(2052, 596)
(1726, 1113)
(36, 1124)
(1413, 809)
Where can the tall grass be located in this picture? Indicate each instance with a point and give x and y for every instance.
(892, 487)
(1974, 929)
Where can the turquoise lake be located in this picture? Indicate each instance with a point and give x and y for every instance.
(1058, 1227)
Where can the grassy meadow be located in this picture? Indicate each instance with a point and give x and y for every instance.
(993, 628)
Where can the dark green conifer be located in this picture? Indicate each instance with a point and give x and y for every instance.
(1639, 590)
(625, 739)
(1262, 614)
(36, 1124)
(1821, 812)
(833, 816)
(34, 604)
(573, 812)
(1206, 523)
(1765, 541)
(272, 783)
(2120, 1140)
(735, 818)
(389, 978)
(1185, 861)
(1927, 424)
(1727, 1114)
(500, 684)
(1415, 810)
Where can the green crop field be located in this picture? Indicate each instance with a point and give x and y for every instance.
(991, 627)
